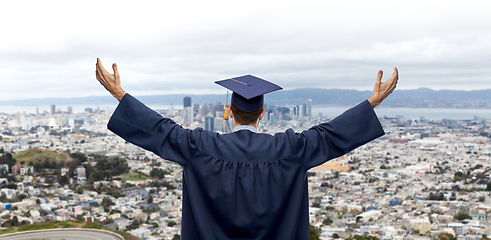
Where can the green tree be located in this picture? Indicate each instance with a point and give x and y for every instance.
(154, 224)
(114, 192)
(79, 157)
(314, 233)
(488, 186)
(443, 237)
(362, 237)
(171, 223)
(80, 217)
(134, 225)
(63, 180)
(447, 236)
(327, 221)
(462, 215)
(335, 235)
(176, 237)
(106, 202)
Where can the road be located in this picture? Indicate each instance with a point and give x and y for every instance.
(59, 235)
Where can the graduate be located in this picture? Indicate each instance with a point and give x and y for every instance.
(244, 184)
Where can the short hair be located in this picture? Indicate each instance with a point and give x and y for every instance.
(245, 118)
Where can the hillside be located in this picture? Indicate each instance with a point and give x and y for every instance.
(38, 154)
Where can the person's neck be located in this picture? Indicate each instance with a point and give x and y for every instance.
(252, 125)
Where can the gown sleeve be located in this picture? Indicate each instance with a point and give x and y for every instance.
(346, 132)
(138, 124)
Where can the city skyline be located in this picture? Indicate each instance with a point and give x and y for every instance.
(168, 48)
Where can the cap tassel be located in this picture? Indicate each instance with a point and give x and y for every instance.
(225, 112)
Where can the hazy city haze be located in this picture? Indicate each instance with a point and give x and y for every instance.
(49, 48)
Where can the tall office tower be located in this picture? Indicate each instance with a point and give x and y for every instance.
(309, 108)
(188, 116)
(203, 110)
(187, 102)
(71, 123)
(303, 110)
(271, 119)
(171, 108)
(69, 110)
(23, 121)
(53, 109)
(36, 110)
(209, 122)
(295, 110)
(219, 109)
(212, 109)
(195, 108)
(218, 125)
(59, 120)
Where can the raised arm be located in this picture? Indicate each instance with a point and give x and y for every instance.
(383, 89)
(111, 82)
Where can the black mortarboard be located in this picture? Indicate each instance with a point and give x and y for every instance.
(248, 91)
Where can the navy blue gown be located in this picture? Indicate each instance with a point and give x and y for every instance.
(244, 185)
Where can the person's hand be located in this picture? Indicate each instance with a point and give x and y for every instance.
(383, 89)
(111, 82)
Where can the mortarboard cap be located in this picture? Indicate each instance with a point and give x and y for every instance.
(248, 91)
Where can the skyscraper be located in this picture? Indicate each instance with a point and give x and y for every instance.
(171, 108)
(309, 108)
(53, 109)
(296, 110)
(187, 102)
(209, 122)
(69, 110)
(203, 110)
(195, 108)
(188, 116)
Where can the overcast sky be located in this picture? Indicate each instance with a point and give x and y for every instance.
(49, 48)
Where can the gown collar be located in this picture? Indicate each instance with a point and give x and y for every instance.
(244, 127)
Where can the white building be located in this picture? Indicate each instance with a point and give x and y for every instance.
(458, 228)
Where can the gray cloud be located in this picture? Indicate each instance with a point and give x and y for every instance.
(50, 49)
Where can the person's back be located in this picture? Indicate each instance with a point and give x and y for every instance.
(245, 194)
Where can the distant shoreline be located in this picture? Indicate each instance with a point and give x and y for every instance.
(326, 110)
(419, 98)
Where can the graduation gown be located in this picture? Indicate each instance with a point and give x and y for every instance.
(244, 185)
